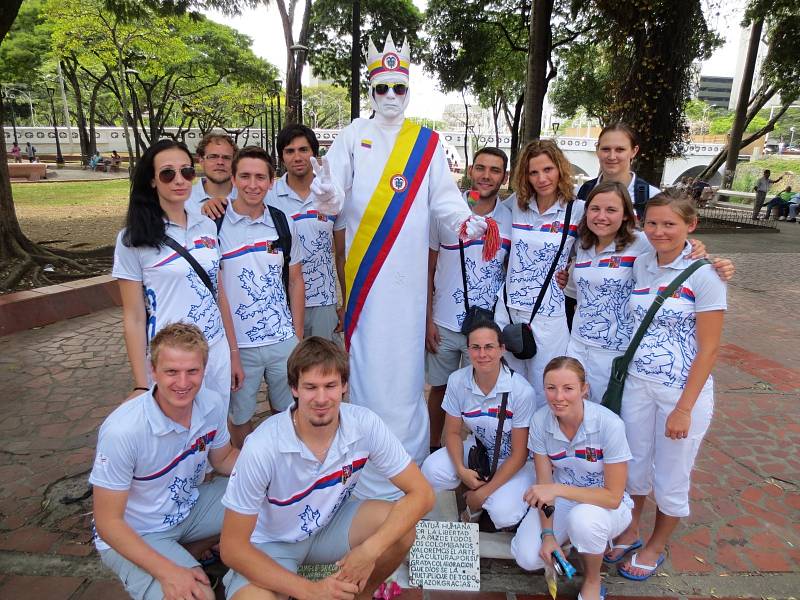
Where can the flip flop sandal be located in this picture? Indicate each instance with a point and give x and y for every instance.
(651, 570)
(603, 592)
(626, 549)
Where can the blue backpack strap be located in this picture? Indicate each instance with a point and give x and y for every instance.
(641, 192)
(587, 187)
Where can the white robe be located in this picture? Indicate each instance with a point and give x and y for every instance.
(387, 348)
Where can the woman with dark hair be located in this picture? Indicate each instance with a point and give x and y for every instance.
(544, 188)
(158, 286)
(473, 398)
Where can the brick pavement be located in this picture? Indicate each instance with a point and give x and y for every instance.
(742, 540)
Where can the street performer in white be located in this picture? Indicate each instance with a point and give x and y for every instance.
(388, 175)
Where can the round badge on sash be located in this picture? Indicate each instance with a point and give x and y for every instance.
(390, 61)
(398, 183)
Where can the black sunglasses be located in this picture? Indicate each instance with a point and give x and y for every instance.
(400, 89)
(167, 175)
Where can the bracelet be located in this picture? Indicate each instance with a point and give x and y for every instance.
(234, 351)
(140, 388)
(682, 411)
(546, 532)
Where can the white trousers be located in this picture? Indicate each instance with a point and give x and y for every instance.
(597, 362)
(552, 337)
(659, 463)
(588, 527)
(505, 506)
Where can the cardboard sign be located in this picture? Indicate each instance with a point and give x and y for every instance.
(445, 557)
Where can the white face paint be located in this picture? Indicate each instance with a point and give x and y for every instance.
(389, 107)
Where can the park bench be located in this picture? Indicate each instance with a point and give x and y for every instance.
(29, 171)
(723, 194)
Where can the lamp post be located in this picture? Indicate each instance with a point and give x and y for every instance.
(791, 137)
(59, 156)
(555, 125)
(272, 125)
(278, 94)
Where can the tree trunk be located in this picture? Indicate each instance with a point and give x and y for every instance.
(722, 157)
(70, 69)
(515, 131)
(539, 43)
(11, 236)
(355, 63)
(741, 105)
(466, 134)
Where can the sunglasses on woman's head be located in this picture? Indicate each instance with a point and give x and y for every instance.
(167, 175)
(382, 89)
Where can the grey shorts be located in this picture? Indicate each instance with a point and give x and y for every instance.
(204, 521)
(452, 355)
(321, 321)
(267, 363)
(327, 545)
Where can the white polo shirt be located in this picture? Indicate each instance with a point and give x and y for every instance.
(579, 462)
(278, 478)
(668, 348)
(252, 273)
(158, 461)
(194, 203)
(173, 290)
(604, 281)
(483, 278)
(535, 239)
(463, 398)
(316, 239)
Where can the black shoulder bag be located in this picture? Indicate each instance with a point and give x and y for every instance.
(478, 457)
(201, 272)
(612, 398)
(518, 337)
(475, 314)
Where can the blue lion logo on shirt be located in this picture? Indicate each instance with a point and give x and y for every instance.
(310, 518)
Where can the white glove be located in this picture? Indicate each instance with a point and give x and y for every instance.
(327, 198)
(475, 227)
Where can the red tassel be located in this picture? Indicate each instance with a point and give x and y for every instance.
(491, 240)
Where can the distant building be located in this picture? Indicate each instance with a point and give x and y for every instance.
(715, 90)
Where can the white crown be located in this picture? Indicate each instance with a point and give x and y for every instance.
(390, 61)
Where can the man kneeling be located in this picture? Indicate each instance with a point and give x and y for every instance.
(288, 500)
(152, 451)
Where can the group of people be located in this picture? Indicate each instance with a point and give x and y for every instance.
(30, 152)
(230, 280)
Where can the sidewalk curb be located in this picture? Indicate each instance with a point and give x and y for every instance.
(34, 308)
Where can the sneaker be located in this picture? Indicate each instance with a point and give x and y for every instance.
(781, 218)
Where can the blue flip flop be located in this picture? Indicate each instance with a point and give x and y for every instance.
(651, 570)
(626, 549)
(603, 591)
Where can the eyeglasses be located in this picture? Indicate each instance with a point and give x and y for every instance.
(485, 347)
(225, 157)
(167, 175)
(382, 89)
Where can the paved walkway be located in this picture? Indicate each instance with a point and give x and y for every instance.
(742, 539)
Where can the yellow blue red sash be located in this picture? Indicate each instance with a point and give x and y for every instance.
(385, 214)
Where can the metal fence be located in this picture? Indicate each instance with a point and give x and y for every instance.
(718, 218)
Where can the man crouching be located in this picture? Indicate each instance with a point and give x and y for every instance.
(150, 503)
(289, 501)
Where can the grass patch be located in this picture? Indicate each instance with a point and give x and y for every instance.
(71, 193)
(748, 173)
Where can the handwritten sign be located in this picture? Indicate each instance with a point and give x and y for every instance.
(445, 557)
